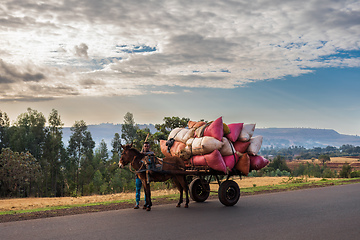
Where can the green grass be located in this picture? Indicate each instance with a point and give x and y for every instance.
(291, 184)
(64, 207)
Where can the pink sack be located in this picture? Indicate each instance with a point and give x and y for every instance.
(213, 160)
(215, 129)
(258, 162)
(241, 146)
(231, 160)
(235, 130)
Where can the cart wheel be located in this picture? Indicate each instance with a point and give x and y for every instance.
(199, 190)
(229, 193)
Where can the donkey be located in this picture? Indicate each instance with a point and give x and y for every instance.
(172, 167)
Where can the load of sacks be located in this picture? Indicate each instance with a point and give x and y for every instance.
(217, 145)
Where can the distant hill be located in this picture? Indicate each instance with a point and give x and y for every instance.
(104, 131)
(306, 137)
(276, 137)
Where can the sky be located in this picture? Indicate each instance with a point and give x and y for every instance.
(278, 63)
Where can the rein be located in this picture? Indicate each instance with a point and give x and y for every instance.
(142, 163)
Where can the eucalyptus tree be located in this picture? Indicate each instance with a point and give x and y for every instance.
(53, 149)
(4, 127)
(28, 133)
(128, 128)
(80, 150)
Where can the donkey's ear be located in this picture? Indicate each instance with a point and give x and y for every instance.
(131, 144)
(122, 146)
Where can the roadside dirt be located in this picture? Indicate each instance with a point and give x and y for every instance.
(35, 203)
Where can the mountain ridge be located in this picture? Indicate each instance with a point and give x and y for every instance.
(272, 137)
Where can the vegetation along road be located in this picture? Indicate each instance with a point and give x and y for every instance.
(318, 213)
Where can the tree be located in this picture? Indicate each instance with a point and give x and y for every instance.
(345, 171)
(19, 173)
(128, 129)
(116, 144)
(324, 159)
(80, 151)
(52, 153)
(279, 162)
(28, 134)
(98, 181)
(4, 126)
(169, 124)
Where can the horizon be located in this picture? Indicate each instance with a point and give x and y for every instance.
(269, 63)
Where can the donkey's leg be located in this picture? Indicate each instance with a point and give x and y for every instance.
(148, 197)
(186, 188)
(146, 186)
(180, 188)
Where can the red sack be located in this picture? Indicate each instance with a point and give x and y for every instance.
(235, 130)
(231, 160)
(258, 162)
(215, 129)
(241, 146)
(213, 160)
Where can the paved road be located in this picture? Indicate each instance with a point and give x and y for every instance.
(321, 213)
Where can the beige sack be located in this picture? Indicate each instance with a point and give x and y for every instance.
(247, 132)
(182, 134)
(228, 148)
(255, 145)
(204, 145)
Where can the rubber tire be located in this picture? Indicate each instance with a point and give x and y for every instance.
(229, 193)
(197, 191)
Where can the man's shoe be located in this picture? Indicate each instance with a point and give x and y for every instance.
(136, 207)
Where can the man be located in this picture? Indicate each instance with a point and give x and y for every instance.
(138, 184)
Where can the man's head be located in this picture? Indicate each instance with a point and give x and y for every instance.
(146, 146)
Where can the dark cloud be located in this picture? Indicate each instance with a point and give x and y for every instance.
(81, 50)
(88, 83)
(10, 74)
(195, 48)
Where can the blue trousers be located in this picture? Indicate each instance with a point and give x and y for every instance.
(138, 185)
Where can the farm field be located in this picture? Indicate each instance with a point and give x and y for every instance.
(335, 163)
(35, 203)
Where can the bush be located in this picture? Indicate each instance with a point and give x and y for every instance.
(355, 174)
(328, 173)
(345, 171)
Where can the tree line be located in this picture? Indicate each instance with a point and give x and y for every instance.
(35, 162)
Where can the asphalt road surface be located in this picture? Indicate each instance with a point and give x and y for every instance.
(320, 213)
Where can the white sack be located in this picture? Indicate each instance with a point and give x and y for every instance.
(247, 132)
(204, 145)
(255, 145)
(228, 148)
(182, 134)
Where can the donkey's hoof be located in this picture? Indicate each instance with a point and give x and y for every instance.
(186, 206)
(148, 209)
(178, 205)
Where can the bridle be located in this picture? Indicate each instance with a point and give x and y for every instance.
(132, 162)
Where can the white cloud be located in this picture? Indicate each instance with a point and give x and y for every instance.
(106, 48)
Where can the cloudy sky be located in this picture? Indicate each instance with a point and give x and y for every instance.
(277, 63)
